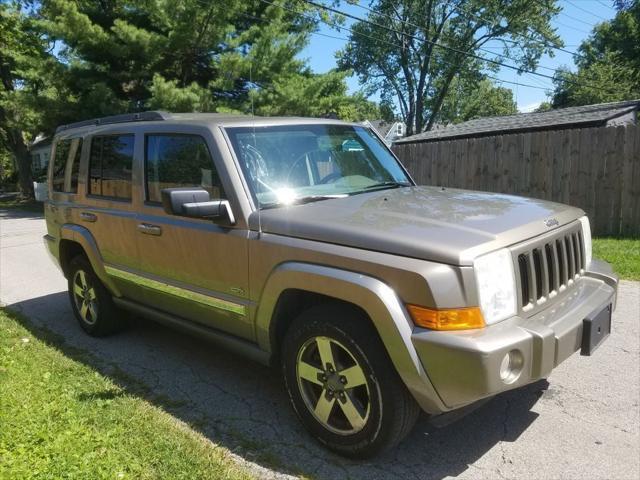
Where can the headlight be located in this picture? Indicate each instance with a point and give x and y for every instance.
(496, 285)
(586, 236)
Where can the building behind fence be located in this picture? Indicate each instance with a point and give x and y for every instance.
(595, 168)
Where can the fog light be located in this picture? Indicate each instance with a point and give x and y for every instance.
(511, 366)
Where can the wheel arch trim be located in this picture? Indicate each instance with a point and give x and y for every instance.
(83, 237)
(387, 313)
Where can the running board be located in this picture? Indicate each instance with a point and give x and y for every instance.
(234, 344)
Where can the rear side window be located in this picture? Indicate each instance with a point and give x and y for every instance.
(66, 164)
(179, 161)
(110, 165)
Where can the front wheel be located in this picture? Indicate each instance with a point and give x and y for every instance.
(342, 384)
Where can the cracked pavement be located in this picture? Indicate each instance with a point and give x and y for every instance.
(583, 423)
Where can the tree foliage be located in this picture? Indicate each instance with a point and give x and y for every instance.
(32, 93)
(68, 60)
(467, 100)
(396, 50)
(608, 65)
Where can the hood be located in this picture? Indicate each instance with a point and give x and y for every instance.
(431, 223)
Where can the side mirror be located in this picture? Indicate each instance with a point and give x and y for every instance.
(195, 203)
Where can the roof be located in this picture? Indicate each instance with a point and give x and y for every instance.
(570, 117)
(199, 119)
(381, 126)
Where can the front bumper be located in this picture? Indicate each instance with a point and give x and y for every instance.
(464, 366)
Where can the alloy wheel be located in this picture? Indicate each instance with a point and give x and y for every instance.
(84, 295)
(333, 385)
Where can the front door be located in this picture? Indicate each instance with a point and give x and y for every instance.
(195, 269)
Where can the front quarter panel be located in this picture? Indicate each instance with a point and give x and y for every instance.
(380, 302)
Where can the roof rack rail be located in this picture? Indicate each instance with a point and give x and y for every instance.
(126, 117)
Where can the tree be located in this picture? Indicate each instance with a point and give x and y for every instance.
(608, 63)
(190, 55)
(68, 60)
(314, 95)
(468, 100)
(30, 91)
(411, 50)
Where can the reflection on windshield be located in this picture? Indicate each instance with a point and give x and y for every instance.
(299, 163)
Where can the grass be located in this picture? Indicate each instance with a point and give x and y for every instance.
(622, 253)
(59, 418)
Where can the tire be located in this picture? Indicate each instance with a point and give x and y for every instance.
(361, 413)
(91, 302)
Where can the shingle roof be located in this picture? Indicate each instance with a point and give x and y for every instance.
(381, 126)
(584, 116)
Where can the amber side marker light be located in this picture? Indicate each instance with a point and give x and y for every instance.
(447, 319)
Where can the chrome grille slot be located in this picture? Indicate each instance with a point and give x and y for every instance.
(548, 266)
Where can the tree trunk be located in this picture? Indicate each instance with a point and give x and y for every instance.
(23, 162)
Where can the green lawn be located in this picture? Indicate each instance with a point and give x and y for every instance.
(622, 253)
(59, 418)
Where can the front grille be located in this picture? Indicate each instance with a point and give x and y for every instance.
(549, 267)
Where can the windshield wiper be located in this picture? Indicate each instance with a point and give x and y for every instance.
(316, 198)
(302, 200)
(387, 184)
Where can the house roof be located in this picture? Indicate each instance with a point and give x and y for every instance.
(571, 117)
(381, 126)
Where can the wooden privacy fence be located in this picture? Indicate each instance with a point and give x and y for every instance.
(596, 169)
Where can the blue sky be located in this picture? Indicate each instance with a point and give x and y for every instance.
(573, 25)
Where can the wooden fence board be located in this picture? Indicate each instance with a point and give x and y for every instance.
(596, 169)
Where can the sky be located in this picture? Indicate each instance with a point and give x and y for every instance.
(573, 25)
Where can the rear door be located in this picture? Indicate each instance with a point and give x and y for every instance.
(196, 269)
(108, 209)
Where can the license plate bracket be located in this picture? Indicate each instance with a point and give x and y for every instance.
(595, 328)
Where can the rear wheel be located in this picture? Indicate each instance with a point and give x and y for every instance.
(342, 384)
(91, 302)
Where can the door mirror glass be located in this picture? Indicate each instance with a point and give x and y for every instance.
(195, 203)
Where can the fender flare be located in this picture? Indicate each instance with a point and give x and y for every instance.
(377, 299)
(83, 237)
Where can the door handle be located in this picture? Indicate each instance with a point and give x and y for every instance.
(88, 217)
(149, 229)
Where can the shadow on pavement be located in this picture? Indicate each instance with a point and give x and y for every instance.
(19, 213)
(242, 405)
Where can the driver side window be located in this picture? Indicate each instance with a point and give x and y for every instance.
(173, 160)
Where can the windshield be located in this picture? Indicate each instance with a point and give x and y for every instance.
(296, 163)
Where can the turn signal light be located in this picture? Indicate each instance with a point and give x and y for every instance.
(447, 319)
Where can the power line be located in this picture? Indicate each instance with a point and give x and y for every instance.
(463, 12)
(435, 44)
(420, 40)
(605, 5)
(585, 10)
(544, 88)
(459, 8)
(483, 48)
(499, 80)
(353, 17)
(571, 17)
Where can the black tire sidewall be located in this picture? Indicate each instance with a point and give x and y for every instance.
(362, 341)
(107, 321)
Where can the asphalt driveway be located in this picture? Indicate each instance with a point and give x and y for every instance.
(583, 423)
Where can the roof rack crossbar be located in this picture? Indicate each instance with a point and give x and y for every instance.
(126, 117)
